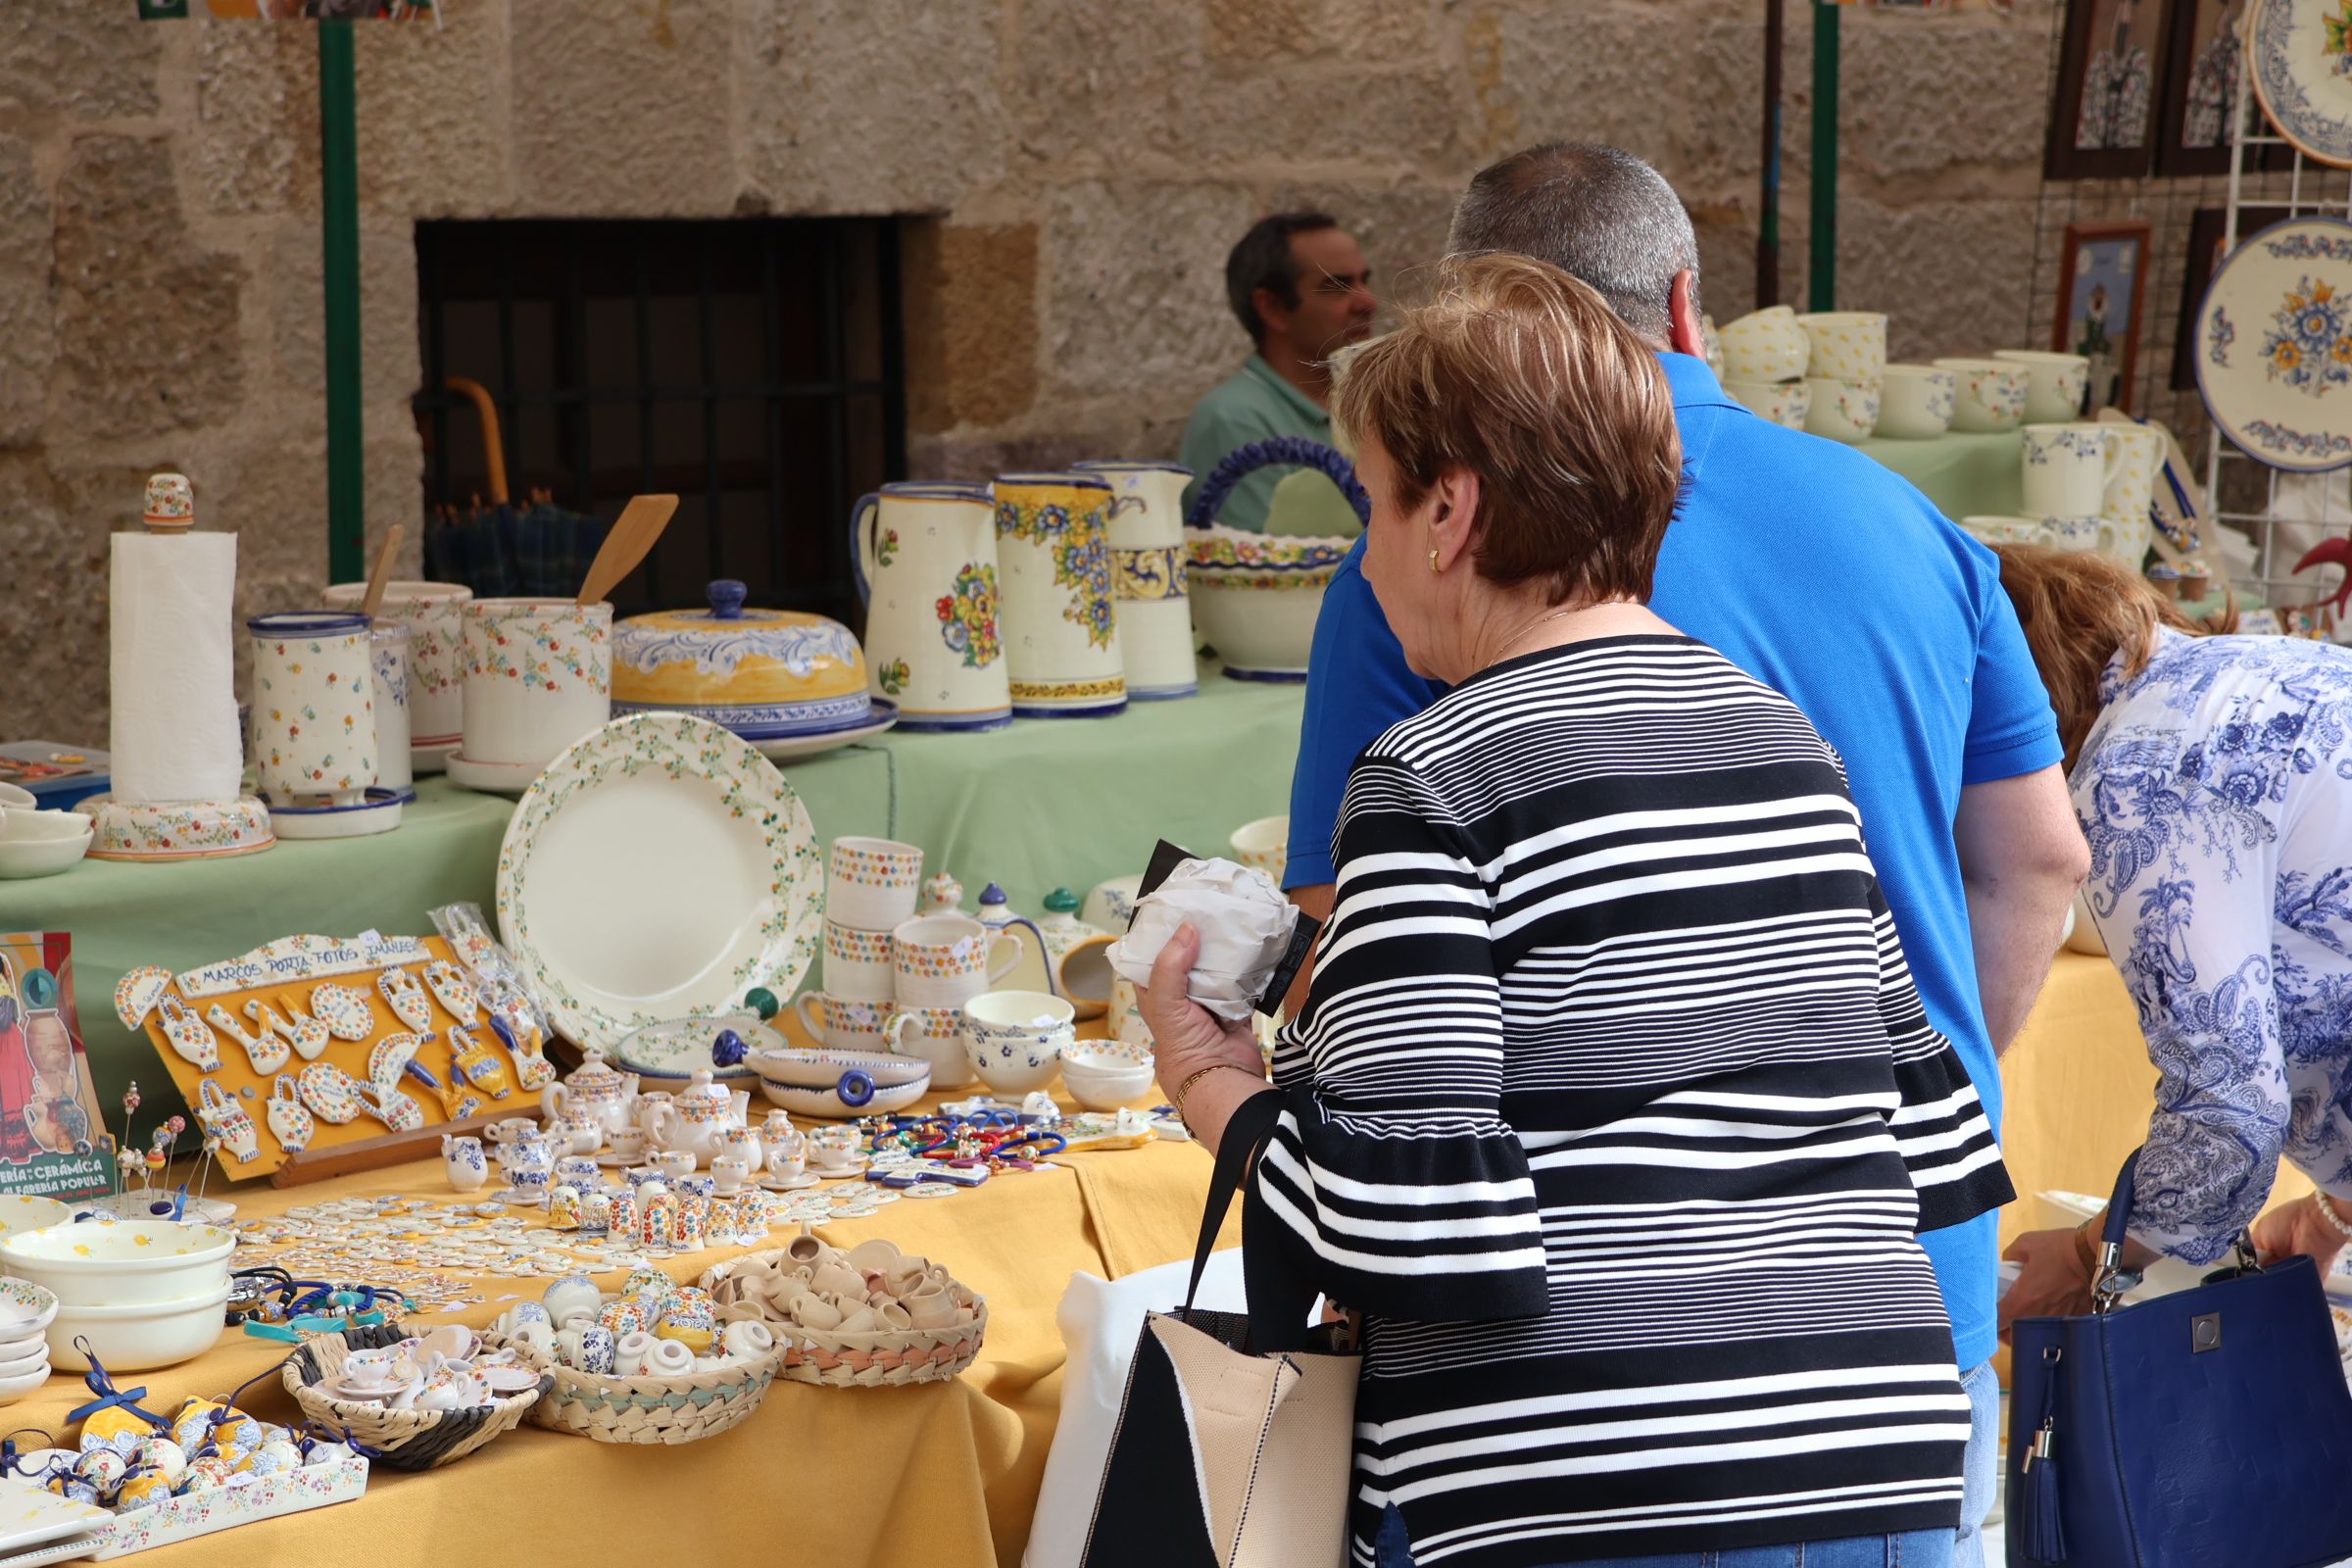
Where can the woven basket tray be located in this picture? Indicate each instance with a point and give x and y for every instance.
(836, 1360)
(652, 1410)
(406, 1440)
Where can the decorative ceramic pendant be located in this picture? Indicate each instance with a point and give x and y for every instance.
(228, 1122)
(330, 1091)
(190, 1035)
(289, 1121)
(308, 1035)
(457, 1101)
(523, 1040)
(344, 1010)
(451, 989)
(267, 1054)
(389, 1055)
(406, 998)
(136, 994)
(472, 1063)
(387, 1105)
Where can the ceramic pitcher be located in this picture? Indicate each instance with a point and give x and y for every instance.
(1061, 633)
(314, 705)
(1147, 562)
(925, 555)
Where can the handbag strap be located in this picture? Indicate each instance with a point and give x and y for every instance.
(1245, 1133)
(2110, 1281)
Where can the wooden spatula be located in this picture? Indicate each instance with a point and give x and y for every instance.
(381, 577)
(632, 537)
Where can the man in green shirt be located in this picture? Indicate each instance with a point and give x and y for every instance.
(1302, 290)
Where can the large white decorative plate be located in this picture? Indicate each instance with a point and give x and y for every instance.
(657, 871)
(2301, 54)
(2274, 345)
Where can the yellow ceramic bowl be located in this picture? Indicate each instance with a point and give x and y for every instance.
(762, 674)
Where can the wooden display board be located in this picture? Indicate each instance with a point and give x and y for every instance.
(282, 975)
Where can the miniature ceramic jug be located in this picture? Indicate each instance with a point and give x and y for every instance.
(925, 556)
(462, 1162)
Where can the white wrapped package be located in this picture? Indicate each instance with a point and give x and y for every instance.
(1245, 925)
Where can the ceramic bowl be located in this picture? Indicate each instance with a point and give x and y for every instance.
(25, 1214)
(26, 1309)
(14, 798)
(1015, 1039)
(2005, 530)
(1784, 403)
(1256, 596)
(1842, 410)
(1847, 345)
(1263, 844)
(764, 674)
(1992, 394)
(22, 1357)
(2054, 382)
(816, 1081)
(138, 1335)
(1915, 401)
(1103, 1075)
(121, 1262)
(1765, 345)
(35, 843)
(16, 1386)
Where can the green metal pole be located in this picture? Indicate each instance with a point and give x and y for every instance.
(1821, 256)
(339, 220)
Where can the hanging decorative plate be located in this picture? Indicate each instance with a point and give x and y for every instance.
(2300, 50)
(390, 1056)
(2274, 345)
(657, 871)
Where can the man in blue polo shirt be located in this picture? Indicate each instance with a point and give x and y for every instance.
(1825, 575)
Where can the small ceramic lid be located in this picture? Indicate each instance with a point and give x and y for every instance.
(170, 503)
(1062, 901)
(594, 1078)
(992, 895)
(727, 657)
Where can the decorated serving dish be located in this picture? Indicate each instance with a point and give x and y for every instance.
(668, 1056)
(827, 1081)
(1256, 596)
(762, 674)
(2274, 345)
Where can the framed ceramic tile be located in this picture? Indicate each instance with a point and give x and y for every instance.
(2104, 116)
(2102, 270)
(2203, 59)
(2205, 230)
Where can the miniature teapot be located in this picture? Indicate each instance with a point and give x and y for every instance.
(597, 1091)
(527, 1161)
(698, 1117)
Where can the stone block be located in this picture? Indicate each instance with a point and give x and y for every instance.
(53, 642)
(623, 109)
(1391, 31)
(1925, 91)
(28, 342)
(1382, 119)
(970, 314)
(79, 61)
(1401, 225)
(257, 116)
(390, 366)
(1088, 81)
(1946, 273)
(871, 106)
(434, 109)
(147, 321)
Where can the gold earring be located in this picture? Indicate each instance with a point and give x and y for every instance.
(1432, 561)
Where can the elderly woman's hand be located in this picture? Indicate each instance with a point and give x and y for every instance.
(2057, 1276)
(2297, 1229)
(1187, 1038)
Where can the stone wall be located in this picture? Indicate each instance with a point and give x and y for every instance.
(1073, 172)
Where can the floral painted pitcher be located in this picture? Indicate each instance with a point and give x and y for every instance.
(925, 556)
(1062, 631)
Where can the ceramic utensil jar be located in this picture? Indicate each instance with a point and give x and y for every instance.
(925, 556)
(2067, 468)
(434, 614)
(388, 655)
(945, 960)
(538, 676)
(1147, 562)
(314, 707)
(1061, 633)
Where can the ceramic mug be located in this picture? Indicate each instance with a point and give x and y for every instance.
(538, 676)
(1016, 1038)
(844, 1024)
(627, 1143)
(434, 614)
(1765, 345)
(1915, 401)
(870, 884)
(2055, 383)
(1842, 410)
(388, 654)
(2067, 468)
(1263, 844)
(936, 1035)
(1146, 533)
(1992, 394)
(1054, 586)
(858, 963)
(1784, 403)
(1846, 345)
(314, 707)
(2132, 479)
(2084, 533)
(1991, 529)
(944, 960)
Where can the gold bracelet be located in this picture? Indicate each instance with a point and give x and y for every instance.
(1185, 1088)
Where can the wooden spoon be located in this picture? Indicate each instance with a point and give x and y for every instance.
(640, 523)
(381, 577)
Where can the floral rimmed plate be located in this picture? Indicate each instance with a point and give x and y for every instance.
(674, 1052)
(657, 872)
(2274, 345)
(2298, 49)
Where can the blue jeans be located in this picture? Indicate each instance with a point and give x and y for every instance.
(1982, 1476)
(1916, 1548)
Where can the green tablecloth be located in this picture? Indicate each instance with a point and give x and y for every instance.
(1044, 804)
(1966, 476)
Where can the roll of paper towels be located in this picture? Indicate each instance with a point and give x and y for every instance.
(173, 734)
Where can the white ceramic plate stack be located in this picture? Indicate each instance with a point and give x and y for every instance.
(26, 1311)
(138, 1293)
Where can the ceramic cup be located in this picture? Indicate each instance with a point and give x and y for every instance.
(858, 963)
(388, 655)
(673, 1164)
(627, 1143)
(1016, 1038)
(2005, 530)
(1847, 345)
(434, 614)
(936, 1035)
(2085, 532)
(870, 884)
(1784, 403)
(1992, 394)
(580, 1171)
(1842, 410)
(538, 676)
(2054, 382)
(2067, 468)
(2132, 479)
(1263, 844)
(841, 1023)
(1765, 345)
(314, 707)
(1915, 401)
(944, 960)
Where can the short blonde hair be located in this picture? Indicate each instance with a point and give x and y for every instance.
(1519, 374)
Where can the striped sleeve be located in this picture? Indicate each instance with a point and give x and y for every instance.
(1940, 1126)
(1392, 1175)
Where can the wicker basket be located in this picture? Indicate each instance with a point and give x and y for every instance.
(653, 1408)
(885, 1359)
(406, 1440)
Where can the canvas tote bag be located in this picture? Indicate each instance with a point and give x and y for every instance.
(1224, 1457)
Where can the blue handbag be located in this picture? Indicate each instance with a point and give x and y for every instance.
(2206, 1428)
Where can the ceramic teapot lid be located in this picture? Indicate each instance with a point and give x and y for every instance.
(700, 1087)
(763, 667)
(594, 1078)
(1062, 901)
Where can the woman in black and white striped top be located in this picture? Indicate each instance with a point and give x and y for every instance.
(1612, 1109)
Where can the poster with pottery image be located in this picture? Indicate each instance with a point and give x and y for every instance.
(2102, 268)
(50, 1128)
(2103, 116)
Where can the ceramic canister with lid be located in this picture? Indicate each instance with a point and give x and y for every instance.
(314, 705)
(434, 614)
(1062, 632)
(1146, 531)
(762, 674)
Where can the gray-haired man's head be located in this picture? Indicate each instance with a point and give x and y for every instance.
(1594, 212)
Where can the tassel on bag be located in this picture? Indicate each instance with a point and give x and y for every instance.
(2037, 1509)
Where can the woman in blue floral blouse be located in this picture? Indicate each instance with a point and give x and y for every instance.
(2213, 777)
